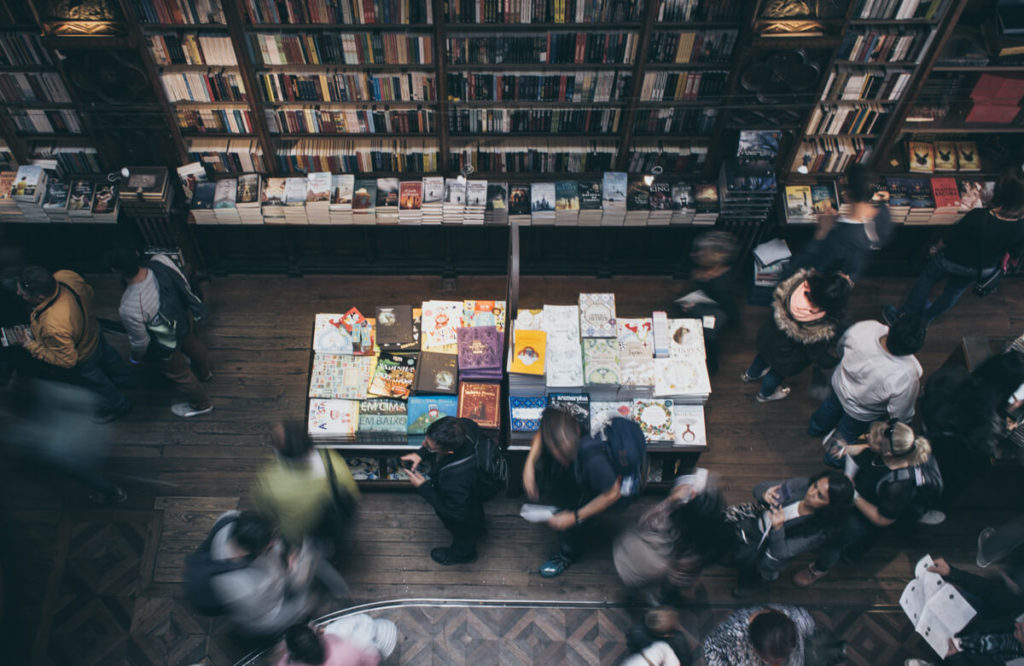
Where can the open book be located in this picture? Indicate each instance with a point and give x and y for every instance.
(936, 608)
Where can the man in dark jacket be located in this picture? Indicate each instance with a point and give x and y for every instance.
(448, 449)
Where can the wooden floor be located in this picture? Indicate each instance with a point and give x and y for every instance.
(100, 586)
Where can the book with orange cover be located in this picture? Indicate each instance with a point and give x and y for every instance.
(480, 403)
(528, 352)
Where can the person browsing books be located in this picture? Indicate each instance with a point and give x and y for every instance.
(452, 487)
(581, 483)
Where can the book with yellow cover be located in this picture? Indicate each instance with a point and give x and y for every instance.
(528, 351)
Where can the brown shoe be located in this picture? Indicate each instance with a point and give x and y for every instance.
(807, 577)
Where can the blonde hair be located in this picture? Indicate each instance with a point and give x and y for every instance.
(901, 446)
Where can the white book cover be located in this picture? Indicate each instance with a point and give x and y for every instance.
(333, 417)
(330, 336)
(433, 189)
(602, 412)
(439, 323)
(675, 377)
(224, 194)
(597, 315)
(688, 424)
(318, 187)
(564, 358)
(295, 192)
(529, 319)
(342, 186)
(936, 609)
(686, 338)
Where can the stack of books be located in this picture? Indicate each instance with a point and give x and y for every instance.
(273, 200)
(707, 205)
(803, 203)
(476, 202)
(660, 204)
(567, 203)
(224, 201)
(318, 197)
(55, 201)
(80, 201)
(105, 202)
(480, 351)
(770, 259)
(201, 208)
(613, 192)
(519, 203)
(247, 198)
(564, 369)
(295, 190)
(683, 376)
(747, 183)
(432, 209)
(454, 200)
(410, 201)
(684, 203)
(340, 208)
(146, 192)
(589, 194)
(387, 200)
(638, 204)
(542, 204)
(28, 190)
(496, 210)
(8, 208)
(526, 361)
(364, 202)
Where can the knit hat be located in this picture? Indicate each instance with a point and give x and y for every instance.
(380, 634)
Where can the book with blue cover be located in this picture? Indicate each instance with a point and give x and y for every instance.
(383, 415)
(425, 409)
(525, 412)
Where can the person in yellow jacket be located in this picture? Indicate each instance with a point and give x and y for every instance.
(67, 337)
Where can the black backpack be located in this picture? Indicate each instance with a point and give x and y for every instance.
(491, 464)
(201, 569)
(622, 441)
(927, 480)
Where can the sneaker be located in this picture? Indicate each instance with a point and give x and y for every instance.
(746, 379)
(890, 315)
(556, 566)
(933, 517)
(185, 410)
(104, 499)
(108, 415)
(808, 576)
(780, 393)
(444, 556)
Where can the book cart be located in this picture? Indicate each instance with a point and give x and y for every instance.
(379, 451)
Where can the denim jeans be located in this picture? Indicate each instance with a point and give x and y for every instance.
(771, 381)
(103, 373)
(958, 278)
(832, 415)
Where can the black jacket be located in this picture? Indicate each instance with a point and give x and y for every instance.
(452, 488)
(847, 248)
(788, 345)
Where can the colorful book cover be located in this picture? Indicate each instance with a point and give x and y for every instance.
(525, 412)
(577, 404)
(393, 376)
(529, 318)
(899, 191)
(603, 411)
(330, 336)
(519, 199)
(683, 197)
(204, 196)
(361, 330)
(274, 192)
(636, 351)
(57, 194)
(480, 403)
(248, 189)
(410, 195)
(946, 193)
(340, 376)
(437, 373)
(27, 180)
(333, 417)
(824, 200)
(364, 196)
(318, 187)
(798, 201)
(106, 199)
(295, 191)
(921, 194)
(975, 193)
(945, 156)
(82, 192)
(707, 198)
(967, 156)
(480, 348)
(362, 468)
(597, 315)
(425, 409)
(484, 313)
(660, 196)
(688, 425)
(921, 156)
(439, 323)
(528, 352)
(655, 419)
(224, 194)
(383, 415)
(566, 195)
(601, 361)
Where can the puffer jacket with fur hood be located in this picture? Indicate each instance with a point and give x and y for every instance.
(789, 346)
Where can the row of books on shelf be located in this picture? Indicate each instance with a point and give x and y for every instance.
(613, 48)
(46, 121)
(682, 86)
(829, 154)
(898, 9)
(323, 198)
(35, 194)
(697, 46)
(22, 48)
(203, 86)
(350, 87)
(675, 121)
(544, 11)
(354, 156)
(846, 119)
(699, 10)
(885, 44)
(929, 157)
(506, 121)
(181, 12)
(350, 121)
(33, 87)
(398, 12)
(872, 85)
(343, 49)
(227, 155)
(192, 49)
(222, 121)
(68, 159)
(926, 201)
(575, 86)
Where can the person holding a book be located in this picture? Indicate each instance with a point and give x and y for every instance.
(452, 487)
(845, 243)
(67, 337)
(969, 251)
(807, 311)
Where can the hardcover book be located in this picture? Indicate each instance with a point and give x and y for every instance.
(204, 196)
(946, 193)
(497, 196)
(318, 188)
(190, 175)
(564, 363)
(683, 197)
(342, 186)
(26, 182)
(333, 417)
(529, 349)
(248, 190)
(425, 409)
(439, 323)
(433, 189)
(383, 415)
(484, 313)
(480, 403)
(387, 192)
(597, 315)
(224, 194)
(602, 412)
(410, 195)
(688, 425)
(660, 195)
(655, 419)
(686, 338)
(295, 191)
(681, 377)
(921, 156)
(945, 156)
(707, 198)
(975, 193)
(437, 373)
(636, 352)
(330, 336)
(274, 192)
(601, 361)
(529, 318)
(480, 348)
(798, 203)
(395, 328)
(393, 376)
(525, 412)
(577, 404)
(340, 376)
(967, 156)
